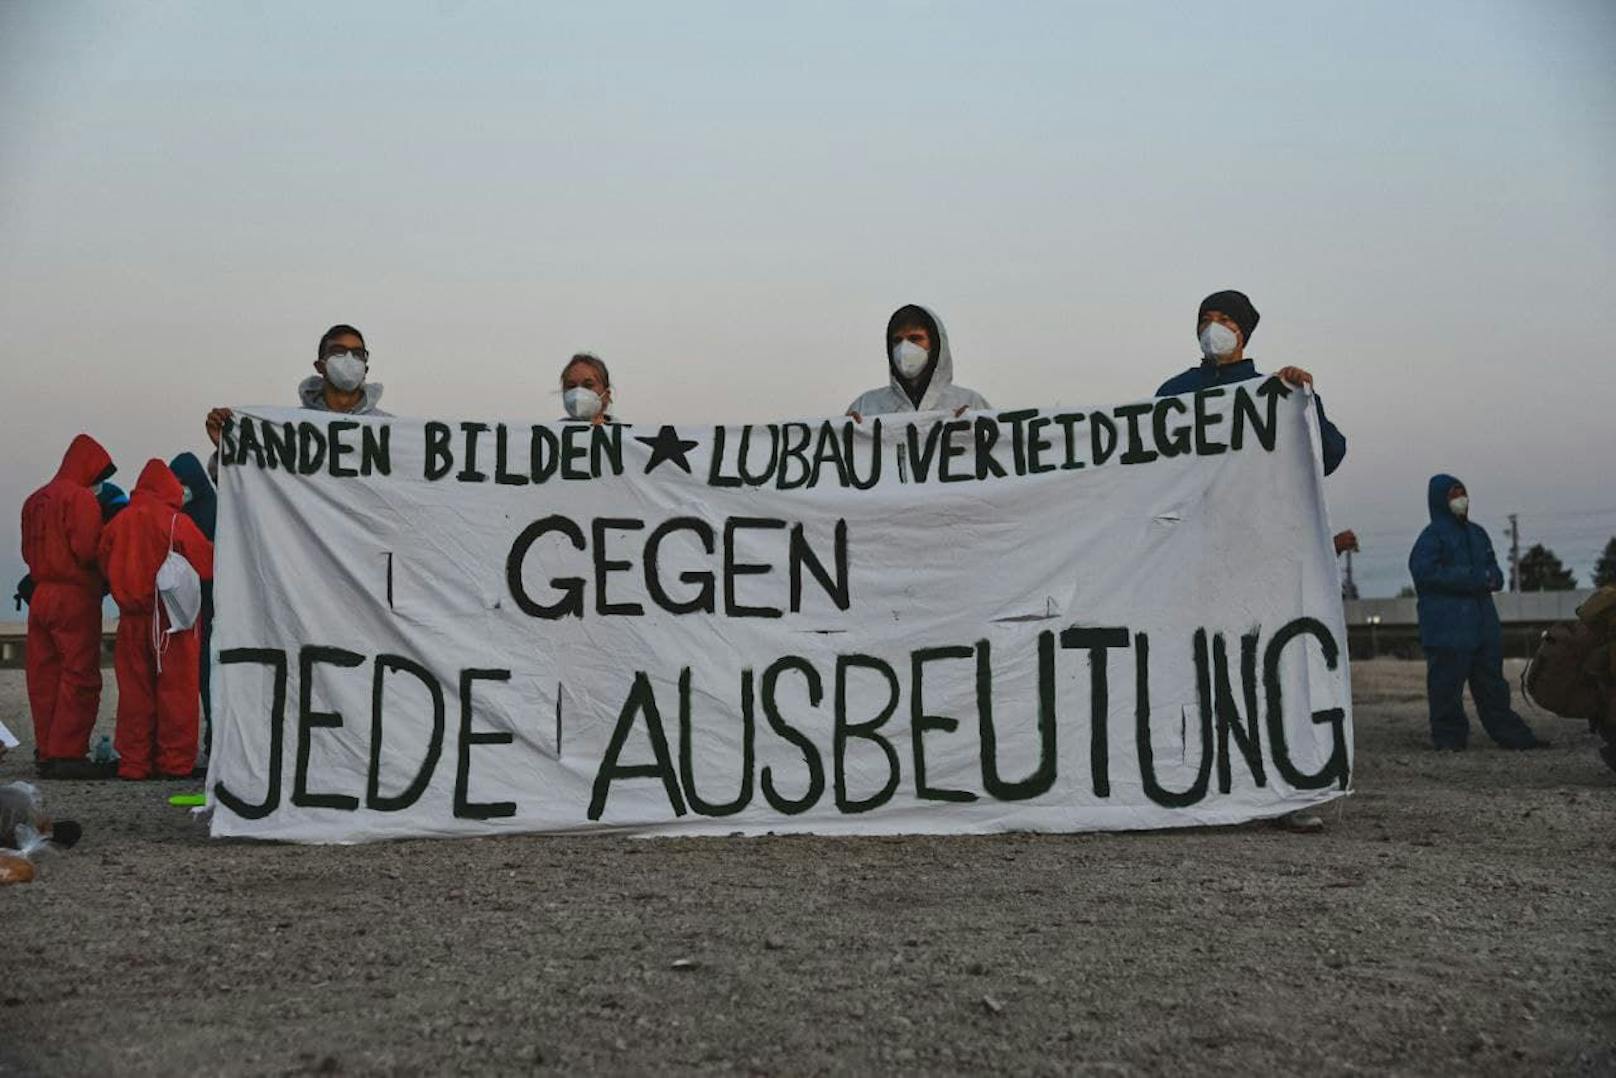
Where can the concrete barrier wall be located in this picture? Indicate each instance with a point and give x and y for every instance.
(14, 643)
(1532, 606)
(1378, 627)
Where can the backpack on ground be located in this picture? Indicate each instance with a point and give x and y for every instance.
(1558, 679)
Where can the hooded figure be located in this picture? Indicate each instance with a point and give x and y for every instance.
(157, 708)
(61, 527)
(1455, 574)
(113, 499)
(932, 388)
(200, 499)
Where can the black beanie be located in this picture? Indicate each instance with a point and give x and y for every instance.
(1231, 304)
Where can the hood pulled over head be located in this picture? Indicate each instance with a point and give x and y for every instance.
(85, 462)
(157, 481)
(193, 476)
(939, 371)
(1436, 496)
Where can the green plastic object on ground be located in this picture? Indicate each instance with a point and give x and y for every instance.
(188, 800)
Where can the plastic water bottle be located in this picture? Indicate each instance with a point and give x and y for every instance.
(102, 753)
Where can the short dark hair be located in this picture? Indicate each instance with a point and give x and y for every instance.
(334, 332)
(591, 360)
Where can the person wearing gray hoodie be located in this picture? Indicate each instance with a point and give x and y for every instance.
(339, 383)
(920, 370)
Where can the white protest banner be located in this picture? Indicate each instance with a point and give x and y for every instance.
(1107, 618)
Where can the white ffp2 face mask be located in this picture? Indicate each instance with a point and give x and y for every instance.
(909, 358)
(1460, 506)
(581, 403)
(1218, 341)
(345, 370)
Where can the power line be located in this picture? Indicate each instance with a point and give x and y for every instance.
(1514, 552)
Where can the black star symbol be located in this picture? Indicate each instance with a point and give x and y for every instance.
(667, 445)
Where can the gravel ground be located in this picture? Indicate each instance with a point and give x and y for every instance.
(1456, 916)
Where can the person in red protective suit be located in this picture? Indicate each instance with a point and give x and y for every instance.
(61, 529)
(158, 702)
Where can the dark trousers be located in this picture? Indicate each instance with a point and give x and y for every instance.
(1446, 671)
(205, 670)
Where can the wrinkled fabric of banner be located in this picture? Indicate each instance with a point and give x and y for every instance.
(1099, 619)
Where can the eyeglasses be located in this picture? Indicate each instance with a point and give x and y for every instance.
(363, 354)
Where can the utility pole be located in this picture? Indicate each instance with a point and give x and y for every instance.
(1514, 552)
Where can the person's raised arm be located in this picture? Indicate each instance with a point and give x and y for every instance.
(215, 423)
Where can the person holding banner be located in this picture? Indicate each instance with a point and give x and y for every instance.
(156, 664)
(1224, 324)
(342, 363)
(920, 370)
(61, 527)
(586, 390)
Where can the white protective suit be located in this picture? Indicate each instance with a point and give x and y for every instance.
(941, 392)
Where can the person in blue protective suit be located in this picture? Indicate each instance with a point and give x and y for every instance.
(201, 504)
(1455, 574)
(1223, 325)
(113, 498)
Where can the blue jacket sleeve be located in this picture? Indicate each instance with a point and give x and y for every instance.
(1335, 443)
(1425, 566)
